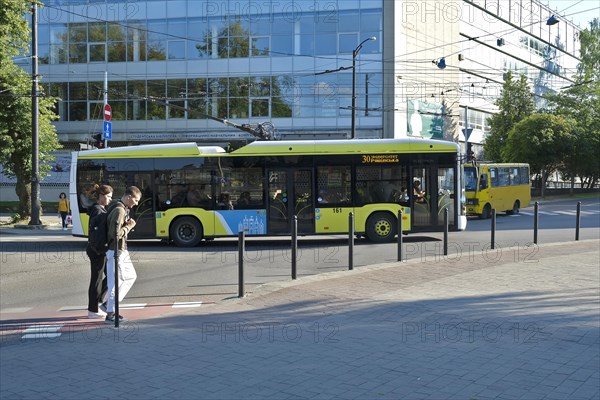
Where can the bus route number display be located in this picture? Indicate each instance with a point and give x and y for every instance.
(380, 158)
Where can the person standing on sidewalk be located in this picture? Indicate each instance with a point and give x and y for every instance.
(119, 226)
(102, 194)
(63, 209)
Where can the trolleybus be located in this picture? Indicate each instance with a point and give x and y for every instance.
(192, 192)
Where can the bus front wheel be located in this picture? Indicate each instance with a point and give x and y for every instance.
(186, 232)
(381, 227)
(486, 212)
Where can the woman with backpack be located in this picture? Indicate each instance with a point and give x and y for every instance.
(102, 194)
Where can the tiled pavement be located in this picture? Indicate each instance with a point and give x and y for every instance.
(510, 324)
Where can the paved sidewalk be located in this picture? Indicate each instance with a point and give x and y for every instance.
(521, 323)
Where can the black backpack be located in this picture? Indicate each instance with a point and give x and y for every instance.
(98, 230)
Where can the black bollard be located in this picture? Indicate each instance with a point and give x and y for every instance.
(117, 278)
(536, 208)
(445, 231)
(241, 249)
(493, 228)
(578, 221)
(351, 241)
(400, 235)
(294, 244)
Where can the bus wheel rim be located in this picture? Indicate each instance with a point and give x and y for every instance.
(186, 232)
(383, 228)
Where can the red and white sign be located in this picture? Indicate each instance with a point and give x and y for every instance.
(107, 112)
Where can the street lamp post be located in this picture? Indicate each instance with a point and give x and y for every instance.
(354, 54)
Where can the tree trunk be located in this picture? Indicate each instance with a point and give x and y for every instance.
(543, 184)
(23, 190)
(572, 189)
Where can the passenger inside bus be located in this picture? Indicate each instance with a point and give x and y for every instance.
(225, 201)
(244, 201)
(199, 197)
(178, 196)
(419, 195)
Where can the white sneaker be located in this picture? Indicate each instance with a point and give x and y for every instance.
(96, 315)
(64, 229)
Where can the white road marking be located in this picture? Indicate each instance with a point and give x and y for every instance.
(187, 304)
(42, 332)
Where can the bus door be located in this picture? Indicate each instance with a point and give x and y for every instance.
(144, 212)
(290, 193)
(424, 197)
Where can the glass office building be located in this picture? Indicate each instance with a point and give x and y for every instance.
(173, 67)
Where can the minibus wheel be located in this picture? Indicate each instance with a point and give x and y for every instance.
(486, 212)
(515, 209)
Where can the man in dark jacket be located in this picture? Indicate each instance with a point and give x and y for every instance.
(119, 226)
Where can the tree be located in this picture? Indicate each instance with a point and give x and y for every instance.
(581, 104)
(15, 106)
(515, 103)
(542, 140)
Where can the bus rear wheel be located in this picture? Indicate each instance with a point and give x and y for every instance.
(186, 232)
(381, 227)
(515, 209)
(486, 212)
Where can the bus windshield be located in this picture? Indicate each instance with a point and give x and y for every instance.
(470, 179)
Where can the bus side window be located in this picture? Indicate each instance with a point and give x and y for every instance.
(483, 183)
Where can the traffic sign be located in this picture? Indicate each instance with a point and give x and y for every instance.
(467, 133)
(107, 112)
(107, 131)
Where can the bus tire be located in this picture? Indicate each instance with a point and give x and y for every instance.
(486, 212)
(515, 209)
(186, 232)
(381, 227)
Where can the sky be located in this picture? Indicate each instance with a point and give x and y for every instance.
(576, 10)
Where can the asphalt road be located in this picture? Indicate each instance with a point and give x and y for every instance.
(51, 268)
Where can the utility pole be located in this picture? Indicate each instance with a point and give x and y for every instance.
(35, 160)
(105, 101)
(354, 54)
(467, 132)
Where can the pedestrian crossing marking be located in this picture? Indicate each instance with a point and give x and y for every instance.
(42, 332)
(187, 304)
(15, 310)
(132, 306)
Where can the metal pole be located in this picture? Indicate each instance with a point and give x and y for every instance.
(241, 248)
(294, 245)
(354, 54)
(35, 160)
(400, 235)
(353, 126)
(578, 221)
(445, 231)
(351, 241)
(105, 99)
(117, 277)
(493, 228)
(536, 209)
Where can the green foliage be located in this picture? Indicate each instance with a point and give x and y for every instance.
(15, 218)
(580, 103)
(16, 105)
(515, 103)
(542, 140)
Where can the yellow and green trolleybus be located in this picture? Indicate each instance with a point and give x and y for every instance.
(192, 192)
